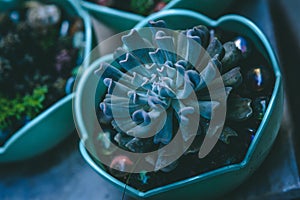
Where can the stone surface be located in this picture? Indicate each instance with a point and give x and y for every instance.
(60, 173)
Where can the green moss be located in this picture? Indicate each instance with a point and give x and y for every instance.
(15, 109)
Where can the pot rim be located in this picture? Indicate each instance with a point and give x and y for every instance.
(233, 167)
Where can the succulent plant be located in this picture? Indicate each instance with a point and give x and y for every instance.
(154, 86)
(42, 15)
(65, 60)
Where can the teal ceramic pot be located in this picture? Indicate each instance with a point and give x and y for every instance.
(122, 20)
(54, 124)
(214, 183)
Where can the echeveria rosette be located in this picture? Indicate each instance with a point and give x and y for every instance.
(148, 99)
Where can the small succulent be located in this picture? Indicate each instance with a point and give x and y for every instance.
(42, 15)
(155, 86)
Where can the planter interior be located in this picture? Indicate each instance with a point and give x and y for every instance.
(213, 183)
(55, 123)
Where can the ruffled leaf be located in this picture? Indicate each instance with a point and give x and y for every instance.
(226, 134)
(232, 55)
(233, 78)
(239, 109)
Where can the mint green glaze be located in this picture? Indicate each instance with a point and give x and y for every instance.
(217, 182)
(54, 124)
(113, 18)
(210, 8)
(122, 20)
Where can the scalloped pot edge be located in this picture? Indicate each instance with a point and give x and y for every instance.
(203, 184)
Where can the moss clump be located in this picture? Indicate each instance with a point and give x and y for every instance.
(21, 107)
